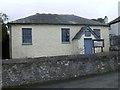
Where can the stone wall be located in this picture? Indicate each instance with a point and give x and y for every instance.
(26, 71)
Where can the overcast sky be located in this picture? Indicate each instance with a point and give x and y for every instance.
(16, 9)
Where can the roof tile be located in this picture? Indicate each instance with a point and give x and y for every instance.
(56, 19)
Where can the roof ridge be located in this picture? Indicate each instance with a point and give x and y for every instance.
(51, 14)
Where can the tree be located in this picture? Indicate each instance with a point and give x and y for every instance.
(4, 35)
(3, 17)
(3, 22)
(3, 26)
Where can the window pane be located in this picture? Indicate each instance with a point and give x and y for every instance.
(97, 32)
(26, 35)
(65, 35)
(87, 33)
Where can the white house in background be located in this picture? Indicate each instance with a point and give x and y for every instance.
(43, 35)
(115, 27)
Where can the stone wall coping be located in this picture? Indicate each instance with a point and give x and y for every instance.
(58, 58)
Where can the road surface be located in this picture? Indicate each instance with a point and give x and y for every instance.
(109, 80)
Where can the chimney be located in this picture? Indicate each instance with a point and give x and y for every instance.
(106, 19)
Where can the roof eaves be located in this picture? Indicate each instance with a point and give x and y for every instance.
(115, 21)
(81, 32)
(57, 24)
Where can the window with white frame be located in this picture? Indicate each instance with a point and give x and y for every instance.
(26, 35)
(65, 35)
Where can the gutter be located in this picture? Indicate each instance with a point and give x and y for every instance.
(106, 25)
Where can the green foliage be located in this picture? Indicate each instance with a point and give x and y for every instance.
(4, 32)
(3, 26)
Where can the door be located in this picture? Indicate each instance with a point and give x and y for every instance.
(88, 45)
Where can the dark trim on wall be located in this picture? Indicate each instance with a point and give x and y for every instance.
(106, 25)
(10, 42)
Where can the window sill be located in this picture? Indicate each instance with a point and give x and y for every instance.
(26, 43)
(87, 35)
(66, 43)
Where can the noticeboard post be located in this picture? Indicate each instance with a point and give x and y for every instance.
(98, 43)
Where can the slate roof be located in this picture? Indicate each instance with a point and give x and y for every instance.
(99, 20)
(115, 20)
(82, 31)
(56, 19)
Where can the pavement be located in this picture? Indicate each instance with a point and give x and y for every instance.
(109, 80)
(102, 81)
